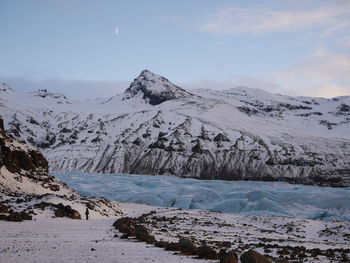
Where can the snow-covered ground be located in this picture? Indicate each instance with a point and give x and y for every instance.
(68, 240)
(279, 238)
(239, 197)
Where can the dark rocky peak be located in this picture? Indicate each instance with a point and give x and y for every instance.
(44, 93)
(154, 89)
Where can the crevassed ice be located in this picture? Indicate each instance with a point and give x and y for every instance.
(239, 197)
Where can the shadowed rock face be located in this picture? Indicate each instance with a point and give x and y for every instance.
(1, 124)
(17, 159)
(22, 161)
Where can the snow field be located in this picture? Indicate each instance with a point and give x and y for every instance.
(66, 240)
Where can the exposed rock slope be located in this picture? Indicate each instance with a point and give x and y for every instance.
(156, 127)
(24, 180)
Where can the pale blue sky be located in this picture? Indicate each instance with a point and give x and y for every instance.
(298, 47)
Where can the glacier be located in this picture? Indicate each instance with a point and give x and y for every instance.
(237, 197)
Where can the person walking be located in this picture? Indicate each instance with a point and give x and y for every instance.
(87, 213)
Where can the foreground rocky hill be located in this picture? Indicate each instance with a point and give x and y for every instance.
(27, 189)
(156, 127)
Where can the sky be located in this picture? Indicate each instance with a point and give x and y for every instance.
(94, 48)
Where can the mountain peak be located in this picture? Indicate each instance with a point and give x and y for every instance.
(44, 93)
(154, 88)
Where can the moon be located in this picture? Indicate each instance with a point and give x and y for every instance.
(116, 30)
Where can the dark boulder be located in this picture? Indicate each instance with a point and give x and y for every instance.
(3, 217)
(206, 252)
(125, 225)
(171, 246)
(186, 246)
(161, 244)
(26, 216)
(227, 257)
(253, 257)
(14, 217)
(4, 208)
(66, 211)
(142, 234)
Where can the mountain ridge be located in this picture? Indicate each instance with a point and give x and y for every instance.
(238, 134)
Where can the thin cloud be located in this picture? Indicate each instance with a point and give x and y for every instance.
(259, 20)
(323, 74)
(325, 91)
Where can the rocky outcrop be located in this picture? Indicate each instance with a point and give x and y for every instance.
(23, 164)
(26, 185)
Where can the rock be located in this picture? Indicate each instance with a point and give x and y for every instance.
(26, 216)
(186, 246)
(66, 211)
(171, 246)
(221, 138)
(227, 257)
(253, 257)
(14, 217)
(4, 208)
(206, 252)
(161, 244)
(142, 234)
(3, 217)
(1, 124)
(125, 225)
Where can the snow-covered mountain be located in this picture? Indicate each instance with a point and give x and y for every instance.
(155, 127)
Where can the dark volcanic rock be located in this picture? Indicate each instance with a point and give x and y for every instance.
(142, 234)
(14, 217)
(253, 257)
(206, 252)
(186, 246)
(18, 216)
(4, 208)
(1, 124)
(66, 211)
(227, 257)
(125, 225)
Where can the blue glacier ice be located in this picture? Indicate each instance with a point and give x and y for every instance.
(238, 197)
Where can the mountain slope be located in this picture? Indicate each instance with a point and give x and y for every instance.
(156, 127)
(25, 185)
